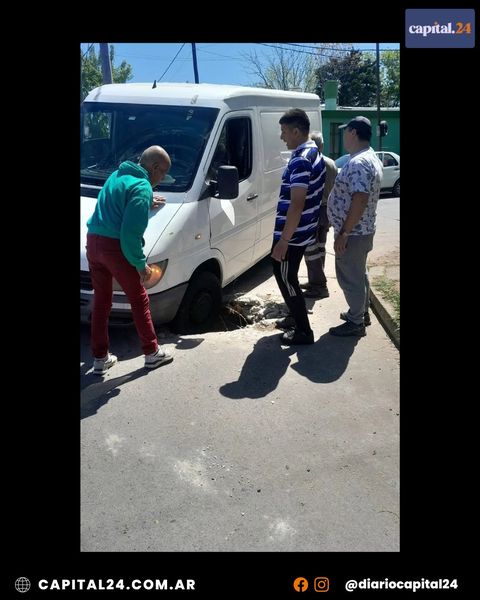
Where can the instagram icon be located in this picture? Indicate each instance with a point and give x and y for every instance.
(321, 584)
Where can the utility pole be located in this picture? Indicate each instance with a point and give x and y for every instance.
(105, 62)
(195, 67)
(379, 133)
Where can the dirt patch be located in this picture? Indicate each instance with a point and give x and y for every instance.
(390, 259)
(241, 310)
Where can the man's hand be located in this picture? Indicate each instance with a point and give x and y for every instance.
(158, 201)
(145, 274)
(280, 250)
(340, 244)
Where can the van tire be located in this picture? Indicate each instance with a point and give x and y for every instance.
(200, 305)
(396, 188)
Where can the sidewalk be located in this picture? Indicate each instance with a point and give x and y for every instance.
(384, 268)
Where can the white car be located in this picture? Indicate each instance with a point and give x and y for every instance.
(391, 170)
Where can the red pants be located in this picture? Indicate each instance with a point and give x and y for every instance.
(106, 260)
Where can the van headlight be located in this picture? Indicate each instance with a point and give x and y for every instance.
(158, 271)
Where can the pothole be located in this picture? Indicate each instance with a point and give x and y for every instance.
(240, 310)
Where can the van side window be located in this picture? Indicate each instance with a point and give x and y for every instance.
(234, 148)
(220, 156)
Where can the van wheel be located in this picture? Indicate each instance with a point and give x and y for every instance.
(200, 305)
(396, 188)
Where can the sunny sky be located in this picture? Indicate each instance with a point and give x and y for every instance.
(217, 63)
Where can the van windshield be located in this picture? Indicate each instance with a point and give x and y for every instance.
(112, 133)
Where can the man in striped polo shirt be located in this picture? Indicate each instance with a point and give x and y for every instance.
(296, 222)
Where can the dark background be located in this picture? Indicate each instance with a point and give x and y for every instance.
(41, 294)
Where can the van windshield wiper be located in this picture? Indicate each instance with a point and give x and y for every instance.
(93, 172)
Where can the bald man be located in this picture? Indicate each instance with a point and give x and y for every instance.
(115, 250)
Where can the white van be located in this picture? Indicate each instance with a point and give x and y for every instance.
(221, 192)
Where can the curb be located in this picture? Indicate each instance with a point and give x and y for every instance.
(386, 320)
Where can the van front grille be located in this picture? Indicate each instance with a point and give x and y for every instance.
(85, 281)
(90, 191)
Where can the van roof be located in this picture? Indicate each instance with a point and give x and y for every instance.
(198, 94)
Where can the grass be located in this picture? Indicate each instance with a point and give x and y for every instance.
(389, 292)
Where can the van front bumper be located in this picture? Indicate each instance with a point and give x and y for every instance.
(163, 306)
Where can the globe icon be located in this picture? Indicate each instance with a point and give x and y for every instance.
(22, 584)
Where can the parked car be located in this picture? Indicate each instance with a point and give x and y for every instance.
(391, 170)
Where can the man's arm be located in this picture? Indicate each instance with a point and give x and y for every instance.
(134, 223)
(297, 202)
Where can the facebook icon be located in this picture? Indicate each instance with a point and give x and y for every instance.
(300, 584)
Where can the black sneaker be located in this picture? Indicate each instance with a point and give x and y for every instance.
(316, 292)
(295, 336)
(287, 323)
(348, 328)
(366, 318)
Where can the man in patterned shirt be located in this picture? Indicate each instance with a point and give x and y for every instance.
(296, 222)
(351, 209)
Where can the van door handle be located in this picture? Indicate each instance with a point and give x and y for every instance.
(252, 197)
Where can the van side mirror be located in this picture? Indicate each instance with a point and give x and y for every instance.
(227, 182)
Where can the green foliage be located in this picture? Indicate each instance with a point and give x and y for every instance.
(390, 78)
(389, 291)
(357, 77)
(286, 69)
(91, 70)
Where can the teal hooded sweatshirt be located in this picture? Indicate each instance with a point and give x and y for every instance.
(122, 211)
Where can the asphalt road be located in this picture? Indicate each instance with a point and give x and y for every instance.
(243, 444)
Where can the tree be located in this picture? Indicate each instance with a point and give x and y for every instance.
(282, 70)
(285, 69)
(390, 78)
(91, 71)
(357, 77)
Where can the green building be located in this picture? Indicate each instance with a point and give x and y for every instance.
(333, 116)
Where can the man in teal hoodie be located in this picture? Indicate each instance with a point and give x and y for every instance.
(115, 250)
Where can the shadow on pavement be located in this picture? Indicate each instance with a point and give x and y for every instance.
(326, 360)
(262, 370)
(97, 392)
(125, 344)
(322, 362)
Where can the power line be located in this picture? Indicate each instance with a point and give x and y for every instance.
(277, 47)
(171, 63)
(223, 56)
(290, 50)
(342, 49)
(86, 51)
(317, 54)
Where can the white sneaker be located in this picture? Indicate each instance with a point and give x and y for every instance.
(158, 358)
(101, 365)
